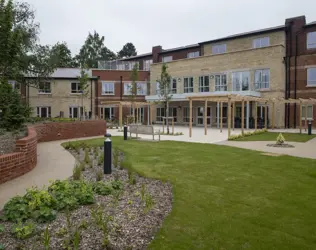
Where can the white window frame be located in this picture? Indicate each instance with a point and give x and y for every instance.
(309, 112)
(77, 89)
(239, 76)
(261, 42)
(141, 88)
(127, 88)
(193, 54)
(79, 112)
(159, 114)
(108, 88)
(202, 86)
(311, 40)
(262, 84)
(311, 82)
(173, 86)
(188, 89)
(186, 115)
(45, 90)
(222, 84)
(166, 59)
(48, 111)
(219, 49)
(146, 64)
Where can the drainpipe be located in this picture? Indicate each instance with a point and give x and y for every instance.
(288, 72)
(121, 81)
(91, 104)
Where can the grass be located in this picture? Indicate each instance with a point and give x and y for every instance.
(272, 136)
(229, 198)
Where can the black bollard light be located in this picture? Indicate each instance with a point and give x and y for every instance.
(107, 166)
(309, 127)
(125, 133)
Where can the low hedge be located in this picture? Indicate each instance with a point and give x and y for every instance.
(257, 132)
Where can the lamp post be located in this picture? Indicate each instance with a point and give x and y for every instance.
(107, 166)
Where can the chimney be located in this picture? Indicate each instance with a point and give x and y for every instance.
(293, 25)
(155, 51)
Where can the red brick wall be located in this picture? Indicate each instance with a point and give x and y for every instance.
(54, 131)
(24, 160)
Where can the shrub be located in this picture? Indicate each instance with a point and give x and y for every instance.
(22, 232)
(235, 137)
(100, 159)
(99, 175)
(16, 209)
(131, 177)
(280, 139)
(149, 202)
(117, 185)
(83, 192)
(86, 156)
(102, 188)
(76, 173)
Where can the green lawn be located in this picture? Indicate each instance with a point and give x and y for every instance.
(272, 136)
(229, 198)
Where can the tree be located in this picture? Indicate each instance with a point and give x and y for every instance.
(84, 85)
(165, 91)
(128, 50)
(62, 55)
(133, 88)
(94, 50)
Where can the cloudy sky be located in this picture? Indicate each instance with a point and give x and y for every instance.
(170, 23)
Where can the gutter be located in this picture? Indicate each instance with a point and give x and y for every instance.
(91, 103)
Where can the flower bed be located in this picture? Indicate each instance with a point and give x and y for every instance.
(90, 210)
(257, 132)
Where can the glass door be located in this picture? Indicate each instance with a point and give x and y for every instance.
(200, 116)
(108, 113)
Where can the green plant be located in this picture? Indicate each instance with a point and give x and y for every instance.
(280, 139)
(100, 159)
(2, 131)
(21, 231)
(1, 228)
(83, 224)
(76, 174)
(143, 192)
(125, 164)
(117, 185)
(149, 202)
(82, 166)
(16, 209)
(83, 192)
(46, 238)
(102, 188)
(130, 202)
(116, 156)
(131, 177)
(61, 232)
(1, 247)
(99, 175)
(86, 156)
(97, 215)
(76, 239)
(44, 214)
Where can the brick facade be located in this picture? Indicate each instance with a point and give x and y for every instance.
(24, 159)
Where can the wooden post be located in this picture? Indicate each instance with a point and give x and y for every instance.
(163, 125)
(205, 118)
(151, 114)
(273, 115)
(190, 121)
(229, 109)
(305, 117)
(266, 116)
(242, 116)
(221, 117)
(172, 126)
(300, 117)
(256, 116)
(137, 114)
(234, 109)
(121, 115)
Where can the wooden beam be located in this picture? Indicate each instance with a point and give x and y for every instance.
(242, 116)
(205, 118)
(265, 116)
(190, 121)
(256, 116)
(229, 109)
(305, 118)
(301, 118)
(273, 115)
(221, 117)
(234, 110)
(121, 115)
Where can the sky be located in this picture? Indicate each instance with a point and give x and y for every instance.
(169, 23)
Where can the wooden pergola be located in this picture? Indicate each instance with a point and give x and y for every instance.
(121, 104)
(231, 99)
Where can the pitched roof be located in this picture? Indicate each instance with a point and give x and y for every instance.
(312, 23)
(180, 48)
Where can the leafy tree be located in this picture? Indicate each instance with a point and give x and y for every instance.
(165, 91)
(128, 50)
(84, 85)
(133, 88)
(62, 55)
(94, 50)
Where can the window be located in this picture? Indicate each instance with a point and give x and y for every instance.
(311, 40)
(241, 81)
(74, 112)
(160, 114)
(146, 64)
(262, 79)
(43, 112)
(173, 113)
(261, 42)
(218, 49)
(193, 54)
(107, 88)
(220, 83)
(309, 112)
(44, 87)
(141, 88)
(75, 88)
(127, 88)
(204, 84)
(166, 59)
(173, 86)
(311, 77)
(224, 114)
(186, 114)
(188, 85)
(157, 88)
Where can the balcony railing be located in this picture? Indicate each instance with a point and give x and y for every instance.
(117, 65)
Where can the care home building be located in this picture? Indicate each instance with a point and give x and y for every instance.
(249, 64)
(60, 95)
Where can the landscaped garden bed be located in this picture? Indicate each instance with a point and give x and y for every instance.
(8, 139)
(90, 210)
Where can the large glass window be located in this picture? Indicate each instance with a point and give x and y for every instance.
(218, 49)
(220, 83)
(188, 85)
(309, 112)
(311, 77)
(204, 84)
(261, 42)
(186, 114)
(262, 79)
(160, 113)
(146, 64)
(241, 81)
(107, 88)
(311, 40)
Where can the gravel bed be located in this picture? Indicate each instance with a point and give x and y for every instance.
(131, 227)
(8, 139)
(284, 145)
